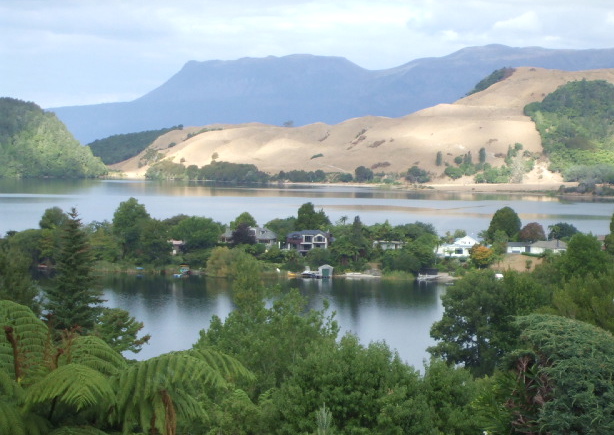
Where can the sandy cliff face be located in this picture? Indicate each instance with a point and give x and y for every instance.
(492, 119)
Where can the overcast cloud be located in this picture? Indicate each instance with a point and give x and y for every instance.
(68, 52)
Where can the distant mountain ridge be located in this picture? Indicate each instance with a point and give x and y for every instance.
(305, 89)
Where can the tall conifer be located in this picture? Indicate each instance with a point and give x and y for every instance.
(72, 302)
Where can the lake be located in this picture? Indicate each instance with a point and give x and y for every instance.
(174, 310)
(22, 203)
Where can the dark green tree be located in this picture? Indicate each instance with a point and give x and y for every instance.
(561, 231)
(583, 256)
(243, 218)
(504, 219)
(477, 327)
(197, 232)
(439, 158)
(120, 330)
(363, 174)
(482, 155)
(15, 281)
(154, 247)
(128, 222)
(309, 219)
(53, 218)
(557, 382)
(367, 390)
(71, 301)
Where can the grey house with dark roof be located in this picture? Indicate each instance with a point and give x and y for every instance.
(305, 241)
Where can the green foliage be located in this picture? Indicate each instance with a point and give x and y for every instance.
(309, 219)
(197, 232)
(439, 158)
(417, 175)
(587, 298)
(232, 172)
(561, 231)
(366, 390)
(34, 143)
(120, 330)
(128, 221)
(244, 218)
(477, 328)
(584, 256)
(79, 385)
(506, 220)
(120, 147)
(166, 170)
(559, 382)
(72, 302)
(363, 174)
(494, 77)
(15, 281)
(575, 123)
(453, 172)
(301, 176)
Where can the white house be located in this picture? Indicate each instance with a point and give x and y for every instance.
(460, 247)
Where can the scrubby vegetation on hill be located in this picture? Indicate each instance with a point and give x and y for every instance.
(120, 147)
(494, 77)
(576, 123)
(34, 143)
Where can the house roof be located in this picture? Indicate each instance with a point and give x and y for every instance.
(550, 244)
(306, 233)
(518, 244)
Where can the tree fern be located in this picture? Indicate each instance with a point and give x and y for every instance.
(23, 343)
(151, 393)
(92, 352)
(229, 367)
(75, 385)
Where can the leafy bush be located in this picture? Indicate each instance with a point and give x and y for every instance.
(120, 147)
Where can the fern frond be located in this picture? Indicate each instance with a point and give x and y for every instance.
(11, 420)
(24, 340)
(74, 385)
(94, 353)
(10, 390)
(152, 391)
(229, 367)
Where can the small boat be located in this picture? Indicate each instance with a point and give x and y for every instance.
(425, 277)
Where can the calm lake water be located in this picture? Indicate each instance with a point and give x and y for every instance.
(22, 203)
(174, 310)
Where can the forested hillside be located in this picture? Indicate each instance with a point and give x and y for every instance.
(120, 147)
(576, 126)
(34, 143)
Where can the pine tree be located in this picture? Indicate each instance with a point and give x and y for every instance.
(71, 300)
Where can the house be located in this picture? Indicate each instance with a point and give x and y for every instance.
(305, 241)
(556, 246)
(261, 235)
(177, 246)
(459, 248)
(388, 245)
(518, 247)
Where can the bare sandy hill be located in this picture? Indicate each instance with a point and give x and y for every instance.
(492, 119)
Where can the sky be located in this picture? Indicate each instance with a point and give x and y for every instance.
(74, 52)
